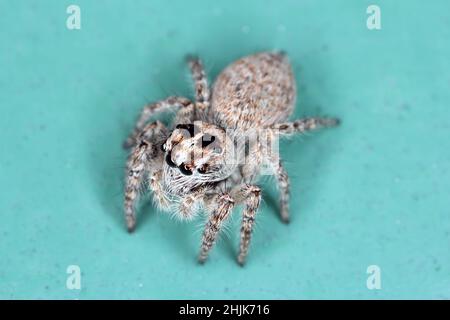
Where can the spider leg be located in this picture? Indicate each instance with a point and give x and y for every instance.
(202, 90)
(251, 196)
(218, 215)
(296, 126)
(270, 152)
(188, 203)
(158, 191)
(304, 125)
(156, 107)
(140, 161)
(283, 186)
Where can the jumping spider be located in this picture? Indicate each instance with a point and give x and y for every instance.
(193, 166)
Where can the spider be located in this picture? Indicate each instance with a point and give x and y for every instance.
(205, 160)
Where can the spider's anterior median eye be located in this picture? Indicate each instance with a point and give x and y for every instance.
(207, 139)
(163, 147)
(185, 169)
(202, 169)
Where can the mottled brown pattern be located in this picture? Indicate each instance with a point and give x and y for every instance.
(255, 91)
(218, 215)
(202, 91)
(213, 154)
(251, 196)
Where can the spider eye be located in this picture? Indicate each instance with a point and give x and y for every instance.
(163, 147)
(202, 169)
(185, 170)
(207, 139)
(169, 161)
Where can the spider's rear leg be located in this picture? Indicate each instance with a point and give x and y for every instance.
(283, 186)
(251, 196)
(296, 126)
(141, 160)
(304, 125)
(156, 107)
(219, 214)
(202, 90)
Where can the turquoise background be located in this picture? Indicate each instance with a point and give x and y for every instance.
(375, 191)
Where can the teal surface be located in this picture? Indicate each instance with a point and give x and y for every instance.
(375, 191)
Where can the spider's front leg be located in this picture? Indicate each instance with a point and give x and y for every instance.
(202, 90)
(218, 215)
(145, 158)
(149, 110)
(156, 186)
(189, 203)
(250, 195)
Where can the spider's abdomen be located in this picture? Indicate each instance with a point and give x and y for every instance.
(255, 91)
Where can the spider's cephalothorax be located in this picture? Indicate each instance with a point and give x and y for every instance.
(211, 157)
(195, 154)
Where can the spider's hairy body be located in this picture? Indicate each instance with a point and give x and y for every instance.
(212, 156)
(254, 92)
